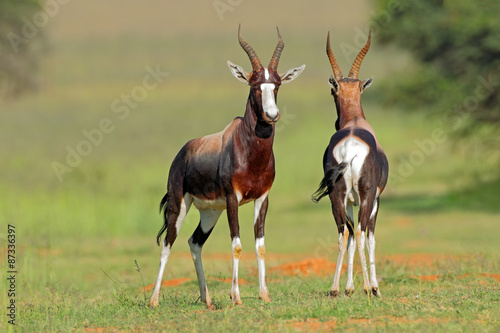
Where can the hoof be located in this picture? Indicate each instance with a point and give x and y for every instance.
(333, 293)
(210, 306)
(265, 297)
(235, 299)
(349, 292)
(153, 303)
(376, 292)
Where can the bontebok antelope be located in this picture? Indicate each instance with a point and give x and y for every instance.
(356, 171)
(226, 170)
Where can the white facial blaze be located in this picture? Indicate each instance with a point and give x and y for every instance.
(266, 73)
(268, 102)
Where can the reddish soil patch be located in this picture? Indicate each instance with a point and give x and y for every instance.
(314, 325)
(168, 283)
(229, 280)
(245, 256)
(493, 276)
(426, 278)
(306, 267)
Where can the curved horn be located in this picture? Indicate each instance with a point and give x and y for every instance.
(256, 65)
(353, 73)
(335, 66)
(273, 64)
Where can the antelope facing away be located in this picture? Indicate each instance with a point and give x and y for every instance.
(225, 170)
(356, 171)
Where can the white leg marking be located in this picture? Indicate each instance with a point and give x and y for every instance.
(260, 251)
(208, 219)
(360, 235)
(375, 204)
(334, 290)
(184, 209)
(268, 102)
(239, 196)
(371, 256)
(165, 253)
(351, 248)
(258, 206)
(236, 250)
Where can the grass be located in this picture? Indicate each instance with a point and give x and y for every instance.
(77, 240)
(455, 303)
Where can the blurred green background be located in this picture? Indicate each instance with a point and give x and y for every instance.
(90, 58)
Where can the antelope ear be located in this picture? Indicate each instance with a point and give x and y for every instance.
(238, 72)
(291, 74)
(365, 84)
(334, 84)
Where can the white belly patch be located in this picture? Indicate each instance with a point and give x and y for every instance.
(218, 204)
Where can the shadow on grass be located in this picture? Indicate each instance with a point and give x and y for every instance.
(481, 197)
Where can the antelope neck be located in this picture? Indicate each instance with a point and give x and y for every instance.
(348, 109)
(253, 121)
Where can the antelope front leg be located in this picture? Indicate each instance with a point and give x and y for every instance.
(260, 211)
(234, 228)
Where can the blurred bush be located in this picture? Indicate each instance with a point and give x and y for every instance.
(457, 46)
(21, 45)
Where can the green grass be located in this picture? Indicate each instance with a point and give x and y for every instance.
(77, 239)
(467, 303)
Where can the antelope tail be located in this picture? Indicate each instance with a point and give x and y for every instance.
(328, 183)
(163, 207)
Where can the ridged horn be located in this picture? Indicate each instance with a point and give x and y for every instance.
(335, 66)
(353, 73)
(256, 65)
(273, 64)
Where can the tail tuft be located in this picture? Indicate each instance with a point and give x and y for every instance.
(328, 182)
(163, 207)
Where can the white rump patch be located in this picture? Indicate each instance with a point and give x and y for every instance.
(353, 151)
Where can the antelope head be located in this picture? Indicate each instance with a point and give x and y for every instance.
(264, 82)
(347, 90)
